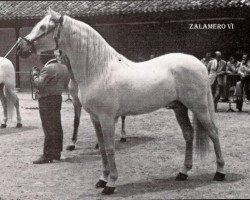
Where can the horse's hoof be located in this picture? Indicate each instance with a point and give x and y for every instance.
(3, 125)
(70, 147)
(122, 140)
(97, 146)
(108, 190)
(219, 176)
(181, 177)
(101, 184)
(19, 125)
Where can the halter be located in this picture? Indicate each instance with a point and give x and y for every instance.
(56, 36)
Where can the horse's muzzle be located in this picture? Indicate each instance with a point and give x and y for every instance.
(24, 49)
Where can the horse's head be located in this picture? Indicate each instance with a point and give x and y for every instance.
(44, 36)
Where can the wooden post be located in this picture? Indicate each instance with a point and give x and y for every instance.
(17, 30)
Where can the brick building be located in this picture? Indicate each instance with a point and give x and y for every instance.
(137, 29)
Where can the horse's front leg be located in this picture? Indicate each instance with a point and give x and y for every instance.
(4, 104)
(108, 129)
(123, 132)
(16, 104)
(105, 172)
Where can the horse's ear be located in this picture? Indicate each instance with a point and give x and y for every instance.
(49, 11)
(54, 15)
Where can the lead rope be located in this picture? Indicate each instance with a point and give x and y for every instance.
(33, 94)
(17, 43)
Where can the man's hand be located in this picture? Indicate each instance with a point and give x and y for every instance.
(242, 76)
(35, 71)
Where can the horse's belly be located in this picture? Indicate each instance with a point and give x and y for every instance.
(147, 98)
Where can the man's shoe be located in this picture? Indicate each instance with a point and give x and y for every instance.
(56, 156)
(42, 160)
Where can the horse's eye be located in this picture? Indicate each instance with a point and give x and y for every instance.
(42, 28)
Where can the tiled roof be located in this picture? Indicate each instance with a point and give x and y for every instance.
(37, 9)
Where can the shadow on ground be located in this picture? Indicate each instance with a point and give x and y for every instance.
(10, 130)
(166, 184)
(131, 142)
(86, 153)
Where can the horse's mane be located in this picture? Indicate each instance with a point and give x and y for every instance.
(90, 48)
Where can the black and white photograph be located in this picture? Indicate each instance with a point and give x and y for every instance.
(129, 99)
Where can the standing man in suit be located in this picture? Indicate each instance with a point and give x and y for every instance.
(217, 68)
(50, 81)
(243, 84)
(206, 60)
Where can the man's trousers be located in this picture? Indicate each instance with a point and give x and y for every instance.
(50, 113)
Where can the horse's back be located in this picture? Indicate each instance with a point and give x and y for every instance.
(181, 66)
(176, 61)
(178, 66)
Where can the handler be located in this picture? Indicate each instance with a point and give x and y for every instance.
(50, 81)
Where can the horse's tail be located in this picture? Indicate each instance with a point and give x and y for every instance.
(202, 129)
(10, 101)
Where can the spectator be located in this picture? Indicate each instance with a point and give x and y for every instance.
(217, 70)
(243, 84)
(232, 66)
(206, 60)
(229, 81)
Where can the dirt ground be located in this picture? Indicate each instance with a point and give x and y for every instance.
(147, 163)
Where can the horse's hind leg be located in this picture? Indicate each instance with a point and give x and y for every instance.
(73, 90)
(209, 128)
(123, 132)
(77, 111)
(15, 100)
(4, 104)
(181, 113)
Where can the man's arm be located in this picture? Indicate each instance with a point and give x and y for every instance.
(40, 79)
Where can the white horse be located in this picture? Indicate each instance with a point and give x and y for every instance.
(110, 86)
(8, 96)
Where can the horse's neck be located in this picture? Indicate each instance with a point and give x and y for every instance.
(90, 55)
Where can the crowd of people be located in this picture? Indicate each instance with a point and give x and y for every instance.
(219, 69)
